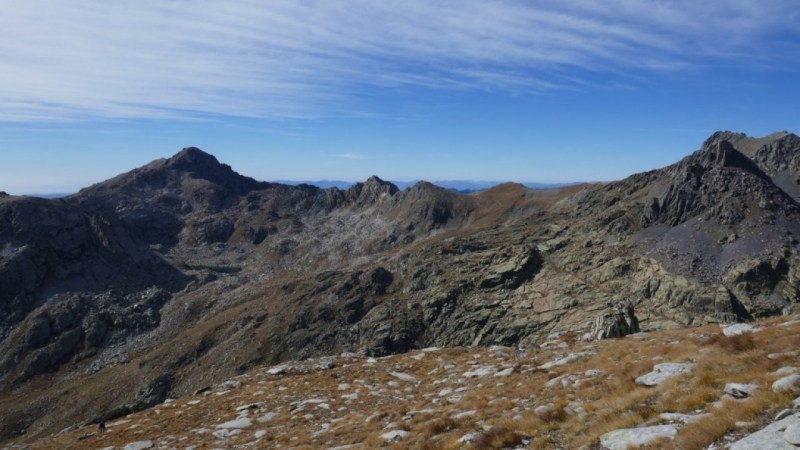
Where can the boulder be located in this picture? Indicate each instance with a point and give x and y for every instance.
(626, 438)
(138, 445)
(662, 372)
(616, 321)
(789, 383)
(771, 436)
(394, 435)
(736, 329)
(792, 434)
(740, 390)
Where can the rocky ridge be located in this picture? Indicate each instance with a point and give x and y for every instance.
(183, 273)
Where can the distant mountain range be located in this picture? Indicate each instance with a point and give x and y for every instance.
(462, 186)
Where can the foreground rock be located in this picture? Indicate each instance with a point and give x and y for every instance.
(789, 383)
(632, 437)
(616, 321)
(740, 390)
(770, 437)
(662, 372)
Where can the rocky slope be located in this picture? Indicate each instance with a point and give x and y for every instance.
(662, 389)
(183, 273)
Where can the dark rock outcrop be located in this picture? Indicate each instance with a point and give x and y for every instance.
(617, 321)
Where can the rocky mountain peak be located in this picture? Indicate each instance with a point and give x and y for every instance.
(722, 153)
(371, 191)
(375, 182)
(192, 159)
(730, 136)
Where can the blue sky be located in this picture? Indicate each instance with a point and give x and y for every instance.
(547, 91)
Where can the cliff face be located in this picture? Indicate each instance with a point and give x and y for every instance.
(182, 272)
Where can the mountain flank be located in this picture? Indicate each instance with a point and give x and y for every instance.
(182, 273)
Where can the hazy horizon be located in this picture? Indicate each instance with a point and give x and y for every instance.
(551, 92)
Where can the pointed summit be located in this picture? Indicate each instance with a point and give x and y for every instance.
(189, 173)
(192, 156)
(370, 192)
(722, 153)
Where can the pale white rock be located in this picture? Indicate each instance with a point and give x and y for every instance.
(393, 384)
(740, 390)
(469, 437)
(554, 381)
(445, 392)
(792, 434)
(565, 360)
(236, 424)
(403, 376)
(481, 371)
(343, 387)
(592, 373)
(788, 383)
(796, 403)
(108, 448)
(455, 398)
(423, 411)
(544, 410)
(118, 423)
(250, 406)
(138, 445)
(779, 355)
(222, 434)
(267, 417)
(662, 372)
(769, 437)
(785, 371)
(737, 328)
(353, 396)
(232, 384)
(394, 435)
(464, 414)
(784, 414)
(431, 349)
(418, 356)
(682, 418)
(277, 370)
(632, 437)
(505, 372)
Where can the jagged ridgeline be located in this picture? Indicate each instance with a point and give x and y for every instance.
(181, 273)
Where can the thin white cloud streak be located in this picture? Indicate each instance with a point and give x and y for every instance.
(349, 156)
(183, 59)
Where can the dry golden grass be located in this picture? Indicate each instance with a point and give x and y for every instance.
(497, 438)
(446, 405)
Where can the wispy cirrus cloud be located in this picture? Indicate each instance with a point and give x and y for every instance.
(245, 58)
(349, 156)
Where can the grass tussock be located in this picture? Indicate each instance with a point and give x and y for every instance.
(438, 426)
(497, 438)
(736, 344)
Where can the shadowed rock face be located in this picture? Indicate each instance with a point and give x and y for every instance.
(183, 270)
